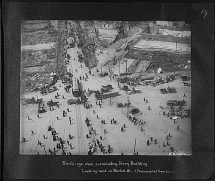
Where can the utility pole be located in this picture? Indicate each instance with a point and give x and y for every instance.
(126, 67)
(135, 145)
(58, 45)
(128, 107)
(45, 150)
(119, 67)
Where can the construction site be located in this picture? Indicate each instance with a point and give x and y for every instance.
(105, 88)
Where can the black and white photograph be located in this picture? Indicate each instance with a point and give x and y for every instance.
(93, 87)
(107, 90)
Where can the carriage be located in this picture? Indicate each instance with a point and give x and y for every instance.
(52, 103)
(185, 78)
(186, 84)
(44, 91)
(132, 118)
(171, 90)
(175, 103)
(119, 105)
(41, 110)
(163, 91)
(33, 101)
(73, 101)
(52, 89)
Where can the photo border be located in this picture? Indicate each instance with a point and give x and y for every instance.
(199, 165)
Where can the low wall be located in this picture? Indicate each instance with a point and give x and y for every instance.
(166, 38)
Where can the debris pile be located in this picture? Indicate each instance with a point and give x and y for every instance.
(38, 37)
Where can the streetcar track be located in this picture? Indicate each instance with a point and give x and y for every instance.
(118, 141)
(101, 129)
(44, 128)
(89, 117)
(50, 122)
(81, 130)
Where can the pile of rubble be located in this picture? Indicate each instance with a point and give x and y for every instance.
(168, 62)
(37, 38)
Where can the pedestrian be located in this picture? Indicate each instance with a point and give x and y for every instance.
(100, 137)
(124, 125)
(169, 135)
(32, 132)
(144, 99)
(38, 142)
(164, 113)
(149, 108)
(147, 142)
(28, 118)
(44, 136)
(70, 121)
(38, 116)
(100, 105)
(151, 139)
(178, 127)
(67, 109)
(96, 103)
(111, 121)
(87, 136)
(97, 117)
(105, 131)
(142, 129)
(121, 129)
(57, 118)
(155, 141)
(184, 95)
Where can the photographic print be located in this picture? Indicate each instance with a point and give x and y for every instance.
(105, 87)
